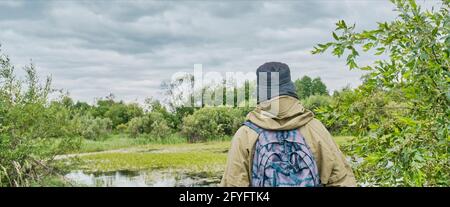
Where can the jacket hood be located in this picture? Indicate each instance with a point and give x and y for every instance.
(280, 113)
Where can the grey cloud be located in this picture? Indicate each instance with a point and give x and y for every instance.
(21, 10)
(128, 47)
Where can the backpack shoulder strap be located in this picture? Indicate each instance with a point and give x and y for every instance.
(254, 127)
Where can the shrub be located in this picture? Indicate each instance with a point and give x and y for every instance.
(158, 126)
(176, 120)
(121, 113)
(354, 112)
(121, 128)
(91, 128)
(212, 123)
(29, 125)
(152, 124)
(136, 126)
(316, 101)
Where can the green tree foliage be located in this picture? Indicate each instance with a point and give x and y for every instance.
(316, 101)
(137, 126)
(307, 87)
(121, 113)
(156, 123)
(29, 125)
(89, 127)
(176, 120)
(303, 86)
(82, 107)
(212, 123)
(117, 111)
(152, 125)
(354, 112)
(102, 106)
(318, 87)
(408, 149)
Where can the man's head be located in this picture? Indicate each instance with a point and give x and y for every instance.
(274, 79)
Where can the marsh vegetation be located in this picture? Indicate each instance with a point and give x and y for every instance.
(183, 164)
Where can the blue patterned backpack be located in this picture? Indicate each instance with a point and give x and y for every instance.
(282, 159)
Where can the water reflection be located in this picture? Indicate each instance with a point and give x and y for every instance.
(141, 179)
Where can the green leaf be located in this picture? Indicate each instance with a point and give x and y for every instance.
(407, 121)
(434, 32)
(341, 25)
(413, 4)
(367, 46)
(366, 68)
(380, 50)
(352, 64)
(335, 36)
(338, 51)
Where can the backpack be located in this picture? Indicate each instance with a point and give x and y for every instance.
(282, 159)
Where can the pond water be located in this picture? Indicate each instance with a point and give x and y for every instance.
(142, 179)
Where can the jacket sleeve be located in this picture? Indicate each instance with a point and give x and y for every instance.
(237, 169)
(342, 174)
(333, 167)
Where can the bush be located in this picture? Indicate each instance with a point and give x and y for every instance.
(176, 120)
(354, 112)
(158, 126)
(212, 123)
(29, 126)
(91, 128)
(152, 124)
(136, 126)
(121, 128)
(121, 113)
(316, 101)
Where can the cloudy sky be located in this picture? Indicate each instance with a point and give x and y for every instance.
(92, 48)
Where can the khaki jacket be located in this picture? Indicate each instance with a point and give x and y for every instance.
(285, 113)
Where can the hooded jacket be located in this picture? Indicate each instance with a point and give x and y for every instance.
(286, 113)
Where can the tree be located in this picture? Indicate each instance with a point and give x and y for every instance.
(82, 107)
(102, 107)
(409, 149)
(303, 86)
(121, 113)
(318, 87)
(307, 87)
(67, 102)
(28, 126)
